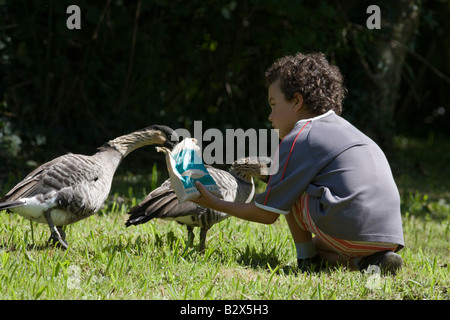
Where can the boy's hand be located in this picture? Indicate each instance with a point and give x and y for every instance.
(206, 199)
(246, 211)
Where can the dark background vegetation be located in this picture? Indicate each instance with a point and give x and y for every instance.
(136, 63)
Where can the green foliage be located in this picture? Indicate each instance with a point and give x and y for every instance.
(134, 63)
(9, 141)
(420, 167)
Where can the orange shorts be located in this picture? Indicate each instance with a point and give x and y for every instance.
(347, 249)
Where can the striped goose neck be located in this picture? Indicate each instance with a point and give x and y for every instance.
(128, 143)
(248, 168)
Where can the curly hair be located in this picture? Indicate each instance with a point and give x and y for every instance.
(311, 75)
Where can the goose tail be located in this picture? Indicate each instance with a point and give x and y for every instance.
(137, 216)
(10, 204)
(158, 203)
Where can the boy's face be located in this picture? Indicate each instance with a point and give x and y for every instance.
(283, 115)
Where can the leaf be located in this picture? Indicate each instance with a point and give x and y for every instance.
(27, 256)
(40, 291)
(111, 258)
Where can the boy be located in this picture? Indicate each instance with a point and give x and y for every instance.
(333, 181)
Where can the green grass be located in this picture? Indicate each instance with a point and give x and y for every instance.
(243, 260)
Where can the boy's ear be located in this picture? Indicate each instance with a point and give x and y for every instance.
(298, 99)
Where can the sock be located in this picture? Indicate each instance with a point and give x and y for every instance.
(305, 250)
(357, 261)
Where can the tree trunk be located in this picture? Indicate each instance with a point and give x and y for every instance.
(382, 60)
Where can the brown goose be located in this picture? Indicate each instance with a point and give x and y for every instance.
(236, 185)
(72, 187)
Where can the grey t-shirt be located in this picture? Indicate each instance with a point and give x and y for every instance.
(353, 195)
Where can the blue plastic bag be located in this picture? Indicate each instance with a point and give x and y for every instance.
(185, 167)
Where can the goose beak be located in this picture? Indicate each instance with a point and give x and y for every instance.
(169, 136)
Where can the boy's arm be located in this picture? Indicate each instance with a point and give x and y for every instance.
(246, 211)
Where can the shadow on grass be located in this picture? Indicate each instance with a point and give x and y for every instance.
(140, 244)
(29, 247)
(263, 259)
(269, 261)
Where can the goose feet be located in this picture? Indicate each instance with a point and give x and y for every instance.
(191, 236)
(203, 240)
(58, 235)
(57, 238)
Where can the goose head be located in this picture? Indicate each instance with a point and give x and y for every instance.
(247, 168)
(169, 136)
(153, 135)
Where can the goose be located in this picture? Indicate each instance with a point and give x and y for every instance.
(236, 185)
(73, 187)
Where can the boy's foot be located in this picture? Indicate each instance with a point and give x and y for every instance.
(388, 261)
(314, 264)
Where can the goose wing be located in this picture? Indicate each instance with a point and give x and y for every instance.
(163, 203)
(160, 203)
(65, 171)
